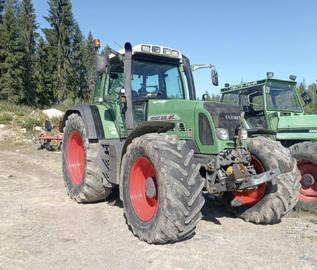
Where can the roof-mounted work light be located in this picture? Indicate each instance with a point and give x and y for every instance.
(292, 77)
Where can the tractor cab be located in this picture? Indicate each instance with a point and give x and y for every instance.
(146, 83)
(265, 102)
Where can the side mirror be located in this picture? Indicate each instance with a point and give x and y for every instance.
(306, 98)
(214, 77)
(102, 64)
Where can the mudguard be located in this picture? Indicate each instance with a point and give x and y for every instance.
(91, 117)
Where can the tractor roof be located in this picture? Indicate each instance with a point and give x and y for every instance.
(153, 50)
(254, 83)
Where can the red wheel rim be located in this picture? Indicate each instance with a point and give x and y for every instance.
(143, 206)
(308, 193)
(252, 196)
(75, 158)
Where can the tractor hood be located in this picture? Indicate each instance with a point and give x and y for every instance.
(297, 127)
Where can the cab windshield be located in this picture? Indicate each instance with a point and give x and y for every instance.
(156, 80)
(282, 98)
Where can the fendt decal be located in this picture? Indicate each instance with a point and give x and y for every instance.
(163, 117)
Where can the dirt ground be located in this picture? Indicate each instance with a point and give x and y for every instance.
(42, 228)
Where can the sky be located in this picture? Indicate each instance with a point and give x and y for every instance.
(244, 39)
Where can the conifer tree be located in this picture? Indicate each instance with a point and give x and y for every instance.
(27, 40)
(59, 38)
(89, 60)
(78, 80)
(2, 5)
(44, 90)
(10, 69)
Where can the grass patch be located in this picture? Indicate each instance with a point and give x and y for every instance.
(67, 103)
(6, 118)
(299, 213)
(30, 122)
(23, 111)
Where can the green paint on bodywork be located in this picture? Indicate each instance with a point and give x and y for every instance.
(111, 127)
(184, 114)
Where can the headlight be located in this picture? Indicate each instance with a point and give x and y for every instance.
(222, 134)
(244, 134)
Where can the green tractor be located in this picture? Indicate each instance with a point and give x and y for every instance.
(146, 135)
(272, 107)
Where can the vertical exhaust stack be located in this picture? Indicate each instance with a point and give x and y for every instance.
(127, 86)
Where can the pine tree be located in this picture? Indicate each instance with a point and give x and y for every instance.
(312, 93)
(59, 38)
(89, 60)
(2, 5)
(78, 80)
(44, 91)
(27, 39)
(10, 69)
(301, 89)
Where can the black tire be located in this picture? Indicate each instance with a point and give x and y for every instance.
(273, 199)
(306, 156)
(173, 210)
(82, 174)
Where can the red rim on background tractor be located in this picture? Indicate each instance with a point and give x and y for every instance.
(252, 196)
(143, 205)
(308, 193)
(75, 158)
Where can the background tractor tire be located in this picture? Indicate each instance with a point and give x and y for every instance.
(82, 174)
(162, 188)
(273, 199)
(306, 155)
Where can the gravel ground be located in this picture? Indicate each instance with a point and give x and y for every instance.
(42, 228)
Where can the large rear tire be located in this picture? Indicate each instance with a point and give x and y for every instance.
(82, 174)
(162, 188)
(306, 156)
(273, 199)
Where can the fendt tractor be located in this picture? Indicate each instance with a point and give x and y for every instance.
(273, 107)
(146, 136)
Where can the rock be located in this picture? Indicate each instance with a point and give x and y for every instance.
(1, 125)
(23, 130)
(53, 113)
(37, 128)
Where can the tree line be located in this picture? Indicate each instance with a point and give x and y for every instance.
(44, 70)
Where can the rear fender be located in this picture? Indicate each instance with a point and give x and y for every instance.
(91, 117)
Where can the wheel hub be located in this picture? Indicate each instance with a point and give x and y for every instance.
(308, 179)
(150, 188)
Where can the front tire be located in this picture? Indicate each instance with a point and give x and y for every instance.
(162, 188)
(273, 199)
(81, 172)
(306, 156)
